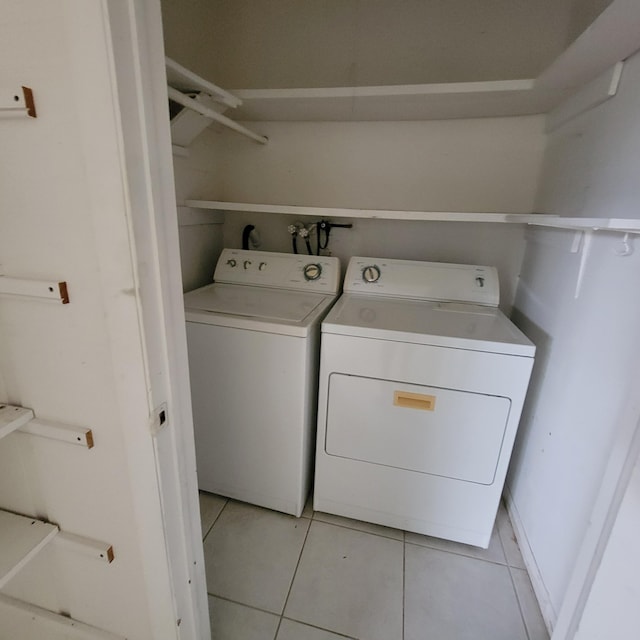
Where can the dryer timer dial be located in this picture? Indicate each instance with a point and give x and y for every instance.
(312, 271)
(371, 273)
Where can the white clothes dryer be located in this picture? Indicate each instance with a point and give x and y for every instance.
(253, 341)
(422, 382)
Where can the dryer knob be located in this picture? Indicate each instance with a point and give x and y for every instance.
(246, 264)
(312, 271)
(232, 263)
(371, 273)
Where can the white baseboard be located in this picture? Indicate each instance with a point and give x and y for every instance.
(547, 609)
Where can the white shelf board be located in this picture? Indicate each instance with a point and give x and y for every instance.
(382, 214)
(398, 102)
(612, 37)
(12, 418)
(623, 225)
(21, 538)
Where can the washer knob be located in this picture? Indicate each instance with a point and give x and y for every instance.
(371, 273)
(262, 266)
(232, 263)
(312, 271)
(246, 264)
(480, 281)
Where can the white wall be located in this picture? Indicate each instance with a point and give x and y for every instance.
(65, 216)
(612, 608)
(200, 235)
(488, 164)
(586, 348)
(587, 345)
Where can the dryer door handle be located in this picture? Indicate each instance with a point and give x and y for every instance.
(410, 400)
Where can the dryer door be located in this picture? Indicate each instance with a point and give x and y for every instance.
(444, 432)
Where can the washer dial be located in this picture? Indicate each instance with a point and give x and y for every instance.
(312, 271)
(371, 273)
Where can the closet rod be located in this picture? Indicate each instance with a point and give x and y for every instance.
(190, 103)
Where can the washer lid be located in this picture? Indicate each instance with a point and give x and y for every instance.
(447, 324)
(254, 302)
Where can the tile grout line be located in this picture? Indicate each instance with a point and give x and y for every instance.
(513, 582)
(404, 578)
(242, 604)
(313, 626)
(293, 577)
(462, 555)
(224, 506)
(520, 608)
(352, 528)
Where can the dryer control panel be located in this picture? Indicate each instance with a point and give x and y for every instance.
(320, 274)
(418, 280)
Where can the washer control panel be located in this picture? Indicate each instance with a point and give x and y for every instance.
(279, 270)
(438, 281)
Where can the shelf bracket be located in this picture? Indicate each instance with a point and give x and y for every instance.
(587, 237)
(101, 551)
(17, 103)
(21, 539)
(13, 418)
(626, 248)
(81, 436)
(34, 289)
(22, 420)
(190, 103)
(45, 623)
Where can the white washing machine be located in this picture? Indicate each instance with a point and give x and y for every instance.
(253, 339)
(422, 382)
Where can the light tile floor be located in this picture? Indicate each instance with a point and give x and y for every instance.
(322, 577)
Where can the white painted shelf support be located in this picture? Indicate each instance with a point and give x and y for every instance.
(181, 81)
(45, 289)
(81, 436)
(184, 80)
(47, 624)
(13, 418)
(190, 103)
(21, 539)
(17, 103)
(96, 549)
(22, 420)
